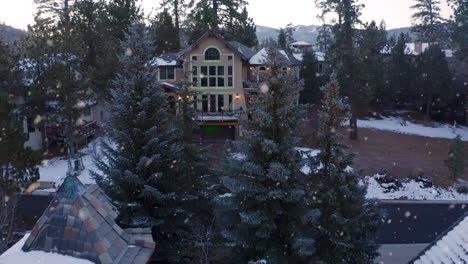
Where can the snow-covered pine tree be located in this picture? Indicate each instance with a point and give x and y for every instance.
(138, 168)
(268, 208)
(348, 221)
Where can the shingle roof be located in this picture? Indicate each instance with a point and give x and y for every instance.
(175, 59)
(451, 247)
(84, 226)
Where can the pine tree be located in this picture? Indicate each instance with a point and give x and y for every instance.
(460, 28)
(401, 70)
(18, 166)
(179, 9)
(122, 14)
(343, 51)
(456, 161)
(282, 42)
(348, 221)
(428, 21)
(311, 92)
(435, 79)
(140, 173)
(371, 42)
(324, 38)
(162, 30)
(269, 213)
(241, 28)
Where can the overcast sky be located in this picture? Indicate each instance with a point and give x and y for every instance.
(273, 13)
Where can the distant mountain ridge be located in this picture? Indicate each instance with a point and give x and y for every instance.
(310, 33)
(10, 34)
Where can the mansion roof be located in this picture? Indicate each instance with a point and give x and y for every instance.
(248, 55)
(80, 222)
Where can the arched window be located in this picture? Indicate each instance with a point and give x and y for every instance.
(212, 54)
(262, 69)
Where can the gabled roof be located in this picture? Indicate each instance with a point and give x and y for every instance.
(175, 59)
(450, 247)
(81, 223)
(261, 56)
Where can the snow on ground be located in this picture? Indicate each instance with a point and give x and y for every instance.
(412, 190)
(55, 170)
(15, 255)
(399, 125)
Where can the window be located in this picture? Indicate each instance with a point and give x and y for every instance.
(212, 54)
(221, 70)
(220, 102)
(212, 70)
(87, 111)
(229, 70)
(262, 68)
(194, 70)
(230, 82)
(220, 81)
(195, 103)
(230, 58)
(230, 103)
(205, 103)
(212, 81)
(194, 58)
(30, 123)
(166, 73)
(204, 70)
(204, 82)
(195, 82)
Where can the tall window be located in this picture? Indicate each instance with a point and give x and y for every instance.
(166, 73)
(220, 102)
(212, 54)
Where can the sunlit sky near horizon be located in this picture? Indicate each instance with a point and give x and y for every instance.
(272, 13)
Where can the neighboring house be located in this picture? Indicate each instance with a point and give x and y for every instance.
(222, 72)
(301, 46)
(79, 225)
(450, 248)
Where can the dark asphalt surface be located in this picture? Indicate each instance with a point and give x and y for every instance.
(405, 223)
(418, 223)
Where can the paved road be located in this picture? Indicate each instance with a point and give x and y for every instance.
(418, 223)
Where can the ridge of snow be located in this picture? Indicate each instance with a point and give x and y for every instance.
(398, 125)
(412, 190)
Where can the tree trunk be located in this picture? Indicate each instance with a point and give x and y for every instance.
(177, 23)
(215, 14)
(427, 117)
(349, 73)
(44, 139)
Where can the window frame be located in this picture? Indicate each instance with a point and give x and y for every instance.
(213, 56)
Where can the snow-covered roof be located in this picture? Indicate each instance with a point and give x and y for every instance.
(416, 49)
(452, 247)
(16, 255)
(167, 59)
(260, 58)
(301, 43)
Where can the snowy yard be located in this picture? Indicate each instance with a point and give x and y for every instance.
(15, 255)
(55, 170)
(399, 125)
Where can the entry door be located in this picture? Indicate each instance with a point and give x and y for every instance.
(212, 103)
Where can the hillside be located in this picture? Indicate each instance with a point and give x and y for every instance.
(310, 33)
(10, 34)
